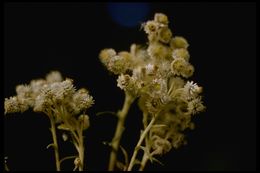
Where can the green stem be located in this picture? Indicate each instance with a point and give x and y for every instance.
(81, 150)
(78, 142)
(119, 130)
(145, 157)
(55, 143)
(145, 132)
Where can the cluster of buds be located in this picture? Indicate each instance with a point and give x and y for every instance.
(53, 96)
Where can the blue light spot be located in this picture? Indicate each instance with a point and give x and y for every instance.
(128, 14)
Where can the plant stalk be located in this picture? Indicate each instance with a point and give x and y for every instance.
(119, 130)
(55, 144)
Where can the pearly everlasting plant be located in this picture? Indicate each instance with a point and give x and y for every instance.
(62, 103)
(156, 74)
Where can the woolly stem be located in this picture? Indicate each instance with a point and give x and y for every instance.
(119, 130)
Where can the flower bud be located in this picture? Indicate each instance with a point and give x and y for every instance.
(150, 27)
(105, 55)
(188, 71)
(179, 42)
(181, 53)
(54, 76)
(161, 18)
(84, 119)
(165, 34)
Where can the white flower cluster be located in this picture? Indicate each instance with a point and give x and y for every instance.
(52, 95)
(156, 73)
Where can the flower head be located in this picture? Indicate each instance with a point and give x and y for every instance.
(195, 106)
(82, 100)
(61, 90)
(192, 90)
(12, 105)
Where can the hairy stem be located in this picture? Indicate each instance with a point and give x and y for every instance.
(119, 130)
(143, 162)
(137, 147)
(78, 142)
(55, 144)
(81, 151)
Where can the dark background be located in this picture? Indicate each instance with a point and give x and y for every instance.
(68, 37)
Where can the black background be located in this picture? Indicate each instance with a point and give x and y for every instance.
(68, 37)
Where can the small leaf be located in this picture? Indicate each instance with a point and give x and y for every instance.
(156, 160)
(146, 151)
(66, 158)
(63, 127)
(142, 148)
(75, 168)
(50, 145)
(125, 155)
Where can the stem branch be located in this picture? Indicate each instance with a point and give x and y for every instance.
(145, 132)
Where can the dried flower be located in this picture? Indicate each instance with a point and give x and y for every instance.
(195, 106)
(192, 90)
(151, 69)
